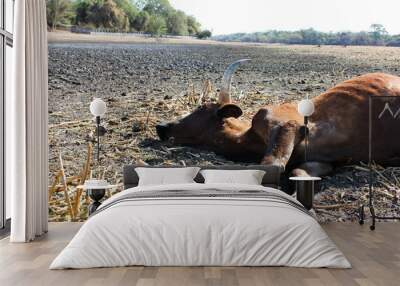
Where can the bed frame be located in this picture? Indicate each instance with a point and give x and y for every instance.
(271, 178)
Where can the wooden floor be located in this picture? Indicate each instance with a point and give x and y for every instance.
(375, 257)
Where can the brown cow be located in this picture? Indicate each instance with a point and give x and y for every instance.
(338, 128)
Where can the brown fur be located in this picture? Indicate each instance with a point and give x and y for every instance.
(338, 128)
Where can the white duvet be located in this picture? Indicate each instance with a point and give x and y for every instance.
(200, 231)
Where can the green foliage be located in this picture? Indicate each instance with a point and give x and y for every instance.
(157, 16)
(377, 36)
(58, 12)
(141, 21)
(177, 23)
(82, 11)
(158, 7)
(310, 36)
(193, 26)
(102, 14)
(395, 41)
(129, 9)
(156, 26)
(378, 33)
(204, 34)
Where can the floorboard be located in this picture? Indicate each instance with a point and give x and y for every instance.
(375, 257)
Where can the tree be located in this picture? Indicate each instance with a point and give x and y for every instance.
(140, 4)
(58, 12)
(121, 15)
(158, 7)
(378, 33)
(294, 38)
(345, 38)
(101, 13)
(141, 21)
(192, 25)
(378, 36)
(156, 26)
(176, 23)
(129, 9)
(204, 34)
(361, 39)
(310, 36)
(81, 8)
(395, 41)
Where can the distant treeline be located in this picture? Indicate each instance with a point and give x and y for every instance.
(376, 36)
(156, 17)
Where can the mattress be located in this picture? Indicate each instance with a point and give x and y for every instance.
(201, 225)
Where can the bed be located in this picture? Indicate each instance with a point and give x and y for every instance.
(199, 224)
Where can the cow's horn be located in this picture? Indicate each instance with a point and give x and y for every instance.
(225, 93)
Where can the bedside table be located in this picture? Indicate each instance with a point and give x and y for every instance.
(305, 188)
(96, 193)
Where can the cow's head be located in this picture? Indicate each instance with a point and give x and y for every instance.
(207, 123)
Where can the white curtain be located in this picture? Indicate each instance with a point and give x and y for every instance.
(26, 124)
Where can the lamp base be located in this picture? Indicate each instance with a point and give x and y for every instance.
(305, 137)
(96, 195)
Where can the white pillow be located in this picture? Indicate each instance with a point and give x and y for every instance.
(166, 176)
(248, 177)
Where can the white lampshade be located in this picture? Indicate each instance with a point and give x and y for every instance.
(98, 107)
(306, 107)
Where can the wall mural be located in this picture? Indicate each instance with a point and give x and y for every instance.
(147, 83)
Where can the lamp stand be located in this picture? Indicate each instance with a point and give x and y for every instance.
(98, 138)
(371, 190)
(305, 138)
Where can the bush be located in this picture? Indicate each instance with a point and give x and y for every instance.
(204, 34)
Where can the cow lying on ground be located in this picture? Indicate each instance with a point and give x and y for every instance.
(338, 129)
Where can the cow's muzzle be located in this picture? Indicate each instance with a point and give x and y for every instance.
(162, 130)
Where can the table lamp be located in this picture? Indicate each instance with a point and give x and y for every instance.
(98, 109)
(306, 108)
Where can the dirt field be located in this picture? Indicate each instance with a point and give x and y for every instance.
(147, 82)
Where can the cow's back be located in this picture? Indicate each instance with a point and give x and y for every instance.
(342, 123)
(352, 94)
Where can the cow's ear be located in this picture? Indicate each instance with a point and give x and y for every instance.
(229, 110)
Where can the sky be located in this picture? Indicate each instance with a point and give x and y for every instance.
(233, 16)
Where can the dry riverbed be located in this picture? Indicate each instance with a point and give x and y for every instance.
(145, 83)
